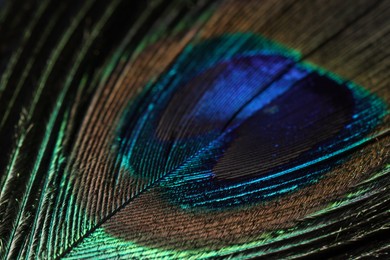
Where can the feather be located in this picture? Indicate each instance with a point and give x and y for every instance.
(193, 129)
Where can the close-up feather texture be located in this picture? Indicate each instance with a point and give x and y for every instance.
(194, 129)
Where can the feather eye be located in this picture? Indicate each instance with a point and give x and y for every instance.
(266, 118)
(193, 129)
(225, 134)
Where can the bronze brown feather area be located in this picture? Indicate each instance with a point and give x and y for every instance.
(194, 129)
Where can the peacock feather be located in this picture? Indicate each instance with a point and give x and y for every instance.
(194, 129)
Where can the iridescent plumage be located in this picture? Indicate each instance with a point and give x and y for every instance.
(194, 129)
